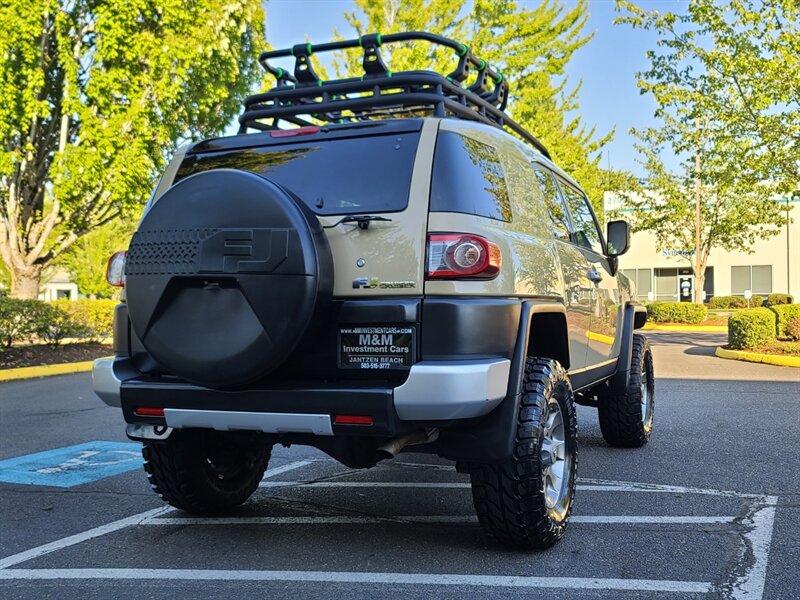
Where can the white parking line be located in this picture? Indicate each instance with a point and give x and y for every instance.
(759, 539)
(365, 519)
(443, 579)
(286, 468)
(80, 537)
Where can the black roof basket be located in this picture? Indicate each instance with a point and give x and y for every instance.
(379, 93)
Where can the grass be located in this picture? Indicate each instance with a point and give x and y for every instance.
(777, 347)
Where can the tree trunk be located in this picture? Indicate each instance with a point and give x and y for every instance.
(25, 281)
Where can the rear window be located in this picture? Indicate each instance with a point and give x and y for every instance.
(468, 177)
(343, 176)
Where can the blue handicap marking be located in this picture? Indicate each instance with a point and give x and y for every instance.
(72, 465)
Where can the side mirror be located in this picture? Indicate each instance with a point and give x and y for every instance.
(618, 238)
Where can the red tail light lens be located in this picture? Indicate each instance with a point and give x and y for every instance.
(147, 411)
(352, 420)
(115, 269)
(462, 256)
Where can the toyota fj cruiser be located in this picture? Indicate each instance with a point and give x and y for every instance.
(387, 262)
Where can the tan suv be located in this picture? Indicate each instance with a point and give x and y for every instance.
(389, 262)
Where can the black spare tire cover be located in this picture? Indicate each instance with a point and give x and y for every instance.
(224, 275)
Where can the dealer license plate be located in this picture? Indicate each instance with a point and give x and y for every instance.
(378, 348)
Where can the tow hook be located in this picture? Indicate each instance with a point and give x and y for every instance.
(139, 432)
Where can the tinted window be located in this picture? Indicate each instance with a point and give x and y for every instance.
(584, 227)
(343, 176)
(555, 206)
(468, 177)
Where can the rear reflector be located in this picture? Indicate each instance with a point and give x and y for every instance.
(115, 269)
(282, 133)
(352, 420)
(148, 411)
(462, 256)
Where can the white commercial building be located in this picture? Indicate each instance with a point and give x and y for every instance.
(773, 265)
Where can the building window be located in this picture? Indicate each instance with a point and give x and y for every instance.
(643, 279)
(757, 279)
(666, 285)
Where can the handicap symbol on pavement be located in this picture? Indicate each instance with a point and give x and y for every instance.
(72, 465)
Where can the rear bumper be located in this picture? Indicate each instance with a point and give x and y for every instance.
(433, 391)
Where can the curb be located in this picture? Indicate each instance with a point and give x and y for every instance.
(599, 337)
(687, 328)
(45, 370)
(767, 359)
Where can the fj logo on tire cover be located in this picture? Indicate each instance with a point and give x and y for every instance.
(244, 251)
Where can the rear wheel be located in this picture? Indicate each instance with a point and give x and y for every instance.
(526, 501)
(626, 420)
(205, 471)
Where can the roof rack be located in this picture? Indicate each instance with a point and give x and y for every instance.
(302, 98)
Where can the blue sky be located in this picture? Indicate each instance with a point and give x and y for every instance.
(607, 65)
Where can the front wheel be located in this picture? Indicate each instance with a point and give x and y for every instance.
(205, 471)
(526, 501)
(626, 420)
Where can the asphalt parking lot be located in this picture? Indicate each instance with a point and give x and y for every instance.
(709, 509)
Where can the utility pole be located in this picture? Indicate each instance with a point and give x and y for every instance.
(698, 277)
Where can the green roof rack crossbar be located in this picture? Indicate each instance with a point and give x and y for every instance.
(380, 93)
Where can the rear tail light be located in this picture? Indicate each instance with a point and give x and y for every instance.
(462, 256)
(148, 411)
(115, 269)
(352, 420)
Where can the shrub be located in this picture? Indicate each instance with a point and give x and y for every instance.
(21, 320)
(676, 312)
(792, 329)
(783, 314)
(776, 299)
(93, 318)
(751, 328)
(734, 302)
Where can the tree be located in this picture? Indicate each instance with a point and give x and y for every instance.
(86, 259)
(530, 47)
(94, 95)
(737, 64)
(723, 195)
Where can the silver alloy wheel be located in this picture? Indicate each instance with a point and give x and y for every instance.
(646, 402)
(556, 465)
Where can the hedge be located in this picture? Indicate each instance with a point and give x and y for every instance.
(776, 299)
(34, 320)
(783, 314)
(793, 329)
(734, 302)
(95, 317)
(751, 328)
(676, 312)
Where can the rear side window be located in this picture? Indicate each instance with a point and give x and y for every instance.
(585, 228)
(468, 177)
(556, 210)
(359, 175)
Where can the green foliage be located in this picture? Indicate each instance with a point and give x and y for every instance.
(94, 97)
(676, 312)
(783, 314)
(774, 299)
(86, 260)
(725, 82)
(751, 328)
(736, 63)
(792, 329)
(530, 47)
(93, 318)
(23, 320)
(735, 302)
